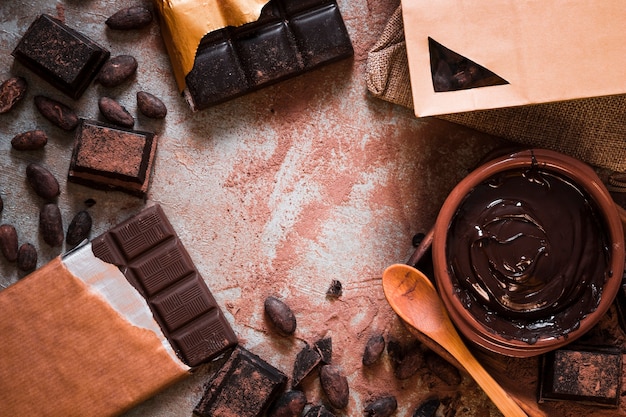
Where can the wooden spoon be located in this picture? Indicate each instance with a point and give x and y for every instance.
(414, 298)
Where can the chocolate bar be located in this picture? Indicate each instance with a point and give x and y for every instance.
(290, 37)
(46, 40)
(112, 158)
(244, 387)
(149, 253)
(583, 374)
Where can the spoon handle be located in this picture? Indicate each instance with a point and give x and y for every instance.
(498, 395)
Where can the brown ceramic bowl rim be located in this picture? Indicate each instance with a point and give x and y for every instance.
(553, 161)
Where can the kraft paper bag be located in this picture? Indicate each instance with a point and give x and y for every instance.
(537, 51)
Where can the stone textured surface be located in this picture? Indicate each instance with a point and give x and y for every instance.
(277, 193)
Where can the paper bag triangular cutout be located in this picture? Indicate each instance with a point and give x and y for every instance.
(452, 71)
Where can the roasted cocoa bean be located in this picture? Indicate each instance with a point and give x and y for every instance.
(26, 257)
(134, 17)
(115, 113)
(335, 386)
(42, 181)
(443, 369)
(79, 228)
(373, 349)
(382, 407)
(117, 70)
(289, 404)
(8, 242)
(150, 105)
(280, 316)
(428, 408)
(51, 224)
(335, 290)
(12, 91)
(29, 141)
(58, 113)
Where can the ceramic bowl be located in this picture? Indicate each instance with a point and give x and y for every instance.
(497, 330)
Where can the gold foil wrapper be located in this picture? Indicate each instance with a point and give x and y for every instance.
(185, 22)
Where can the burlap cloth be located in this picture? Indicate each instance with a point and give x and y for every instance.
(592, 130)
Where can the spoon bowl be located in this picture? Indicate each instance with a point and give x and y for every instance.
(414, 298)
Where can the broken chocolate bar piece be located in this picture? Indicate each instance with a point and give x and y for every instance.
(110, 157)
(60, 55)
(582, 374)
(147, 250)
(290, 37)
(245, 386)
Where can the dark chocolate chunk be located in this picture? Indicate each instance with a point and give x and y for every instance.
(373, 349)
(319, 411)
(280, 315)
(582, 374)
(112, 158)
(306, 360)
(244, 387)
(325, 348)
(153, 259)
(406, 359)
(60, 55)
(381, 407)
(290, 37)
(289, 404)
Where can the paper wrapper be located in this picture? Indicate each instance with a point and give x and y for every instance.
(185, 22)
(78, 340)
(547, 50)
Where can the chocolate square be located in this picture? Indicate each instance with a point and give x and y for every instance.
(244, 387)
(112, 158)
(290, 38)
(590, 375)
(151, 256)
(60, 55)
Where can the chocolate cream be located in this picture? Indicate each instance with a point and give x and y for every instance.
(529, 254)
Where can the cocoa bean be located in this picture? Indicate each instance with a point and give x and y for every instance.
(51, 224)
(289, 404)
(117, 70)
(79, 228)
(58, 113)
(8, 242)
(150, 105)
(12, 91)
(29, 141)
(134, 17)
(428, 408)
(26, 257)
(42, 181)
(335, 386)
(373, 349)
(280, 316)
(382, 407)
(114, 112)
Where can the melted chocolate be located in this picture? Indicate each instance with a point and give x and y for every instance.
(528, 254)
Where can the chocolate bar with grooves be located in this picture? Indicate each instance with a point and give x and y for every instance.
(149, 253)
